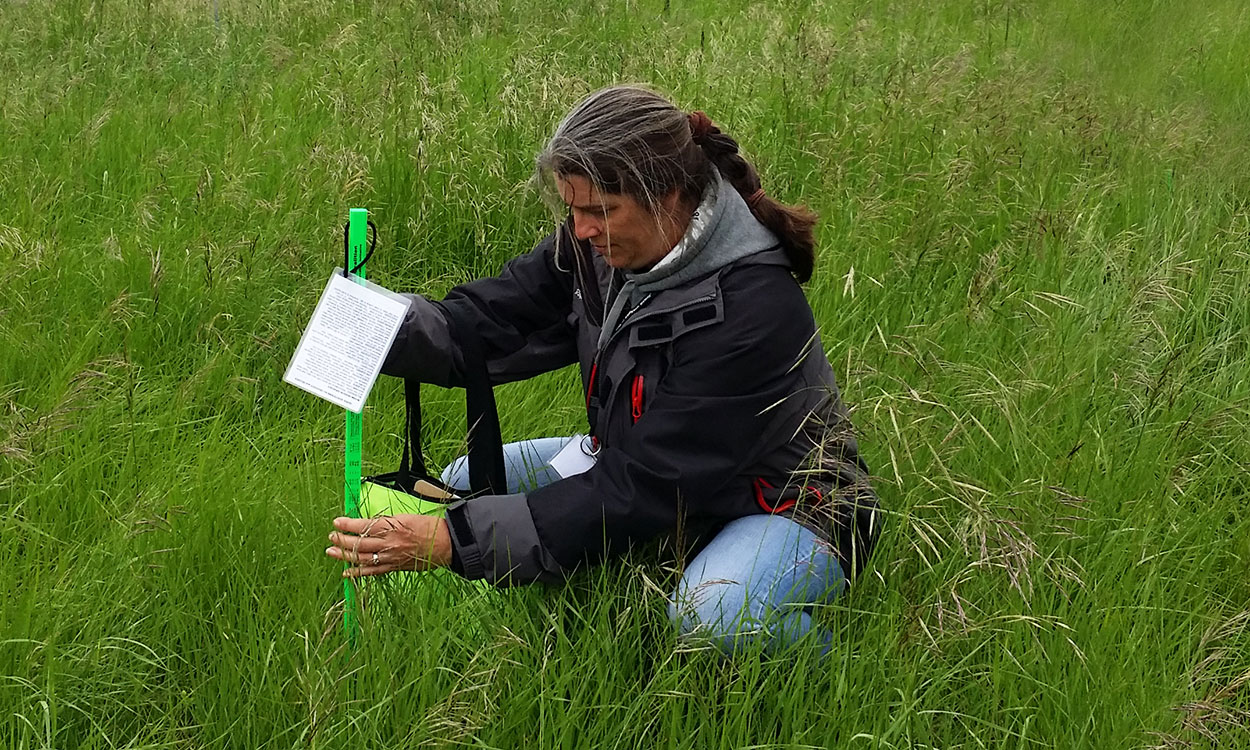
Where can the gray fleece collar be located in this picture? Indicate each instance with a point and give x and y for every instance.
(722, 230)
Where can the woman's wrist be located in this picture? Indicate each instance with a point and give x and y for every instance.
(442, 553)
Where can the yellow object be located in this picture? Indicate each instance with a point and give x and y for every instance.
(376, 500)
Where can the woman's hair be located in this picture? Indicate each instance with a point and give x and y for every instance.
(632, 141)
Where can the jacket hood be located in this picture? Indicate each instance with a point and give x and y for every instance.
(722, 230)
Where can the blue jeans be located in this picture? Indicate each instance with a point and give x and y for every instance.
(755, 585)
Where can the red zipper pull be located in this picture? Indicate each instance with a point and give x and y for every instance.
(635, 398)
(590, 388)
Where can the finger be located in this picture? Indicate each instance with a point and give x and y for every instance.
(353, 525)
(366, 565)
(361, 543)
(368, 570)
(377, 526)
(360, 558)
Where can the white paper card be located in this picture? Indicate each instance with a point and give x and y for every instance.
(343, 347)
(574, 458)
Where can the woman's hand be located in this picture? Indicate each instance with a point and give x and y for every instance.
(373, 546)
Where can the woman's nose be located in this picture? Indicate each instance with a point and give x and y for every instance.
(585, 227)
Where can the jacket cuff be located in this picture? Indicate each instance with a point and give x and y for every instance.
(456, 564)
(466, 559)
(494, 538)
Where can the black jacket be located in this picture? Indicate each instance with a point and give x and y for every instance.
(711, 401)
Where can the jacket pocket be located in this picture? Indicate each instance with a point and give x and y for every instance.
(773, 499)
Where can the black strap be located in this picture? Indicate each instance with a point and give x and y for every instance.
(412, 460)
(486, 466)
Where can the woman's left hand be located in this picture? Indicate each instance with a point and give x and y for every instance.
(373, 546)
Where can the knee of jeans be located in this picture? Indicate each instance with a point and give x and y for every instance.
(709, 608)
(455, 473)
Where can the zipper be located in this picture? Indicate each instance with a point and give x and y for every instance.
(705, 298)
(594, 372)
(629, 316)
(594, 367)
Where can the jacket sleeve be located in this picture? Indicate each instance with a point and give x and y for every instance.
(494, 538)
(708, 419)
(521, 316)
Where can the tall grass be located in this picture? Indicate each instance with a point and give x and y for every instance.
(1033, 265)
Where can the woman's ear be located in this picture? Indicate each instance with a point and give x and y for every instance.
(673, 205)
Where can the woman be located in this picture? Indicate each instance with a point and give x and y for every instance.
(674, 283)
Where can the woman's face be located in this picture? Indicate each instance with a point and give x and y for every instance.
(618, 227)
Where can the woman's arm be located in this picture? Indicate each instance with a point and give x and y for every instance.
(521, 316)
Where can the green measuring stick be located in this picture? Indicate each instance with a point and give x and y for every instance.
(357, 231)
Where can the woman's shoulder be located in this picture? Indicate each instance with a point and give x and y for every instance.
(765, 328)
(765, 318)
(766, 290)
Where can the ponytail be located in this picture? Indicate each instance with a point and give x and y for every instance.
(793, 225)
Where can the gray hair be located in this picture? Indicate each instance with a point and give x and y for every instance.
(629, 140)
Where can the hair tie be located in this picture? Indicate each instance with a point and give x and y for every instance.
(700, 125)
(755, 198)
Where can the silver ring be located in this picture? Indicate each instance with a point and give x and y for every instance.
(375, 558)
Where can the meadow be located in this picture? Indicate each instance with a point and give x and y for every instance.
(1033, 282)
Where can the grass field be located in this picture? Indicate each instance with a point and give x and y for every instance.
(1033, 282)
